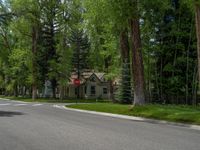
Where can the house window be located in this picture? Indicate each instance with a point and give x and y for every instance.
(105, 91)
(93, 90)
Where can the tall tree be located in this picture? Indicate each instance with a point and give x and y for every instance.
(125, 89)
(125, 15)
(31, 14)
(80, 47)
(50, 12)
(55, 16)
(138, 68)
(197, 22)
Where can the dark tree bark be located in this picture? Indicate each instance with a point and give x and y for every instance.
(124, 44)
(54, 85)
(197, 20)
(16, 93)
(111, 88)
(34, 63)
(53, 55)
(137, 62)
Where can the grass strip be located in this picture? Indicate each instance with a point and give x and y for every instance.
(173, 113)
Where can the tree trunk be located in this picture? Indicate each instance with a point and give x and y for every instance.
(61, 92)
(54, 85)
(111, 88)
(124, 44)
(34, 91)
(16, 90)
(137, 62)
(34, 65)
(197, 20)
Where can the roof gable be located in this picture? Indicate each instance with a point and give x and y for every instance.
(87, 76)
(93, 78)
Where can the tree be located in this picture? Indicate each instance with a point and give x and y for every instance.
(125, 89)
(137, 59)
(80, 46)
(124, 92)
(124, 15)
(5, 44)
(197, 22)
(50, 27)
(127, 14)
(18, 70)
(54, 40)
(31, 14)
(147, 42)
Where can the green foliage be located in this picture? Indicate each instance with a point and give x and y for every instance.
(104, 52)
(64, 61)
(80, 46)
(124, 92)
(169, 51)
(87, 32)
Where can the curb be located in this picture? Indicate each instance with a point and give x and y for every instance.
(5, 99)
(132, 118)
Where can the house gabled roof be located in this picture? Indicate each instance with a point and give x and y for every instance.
(100, 76)
(86, 75)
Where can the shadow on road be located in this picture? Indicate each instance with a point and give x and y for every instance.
(9, 113)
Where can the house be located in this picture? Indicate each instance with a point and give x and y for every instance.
(92, 86)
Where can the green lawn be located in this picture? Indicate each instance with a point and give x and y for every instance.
(46, 100)
(174, 113)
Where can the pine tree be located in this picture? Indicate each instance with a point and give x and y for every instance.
(80, 47)
(124, 93)
(53, 18)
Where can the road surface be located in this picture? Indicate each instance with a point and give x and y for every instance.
(35, 126)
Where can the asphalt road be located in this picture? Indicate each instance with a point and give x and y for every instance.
(34, 126)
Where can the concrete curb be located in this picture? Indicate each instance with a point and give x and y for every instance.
(5, 99)
(132, 118)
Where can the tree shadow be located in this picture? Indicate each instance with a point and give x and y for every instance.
(10, 113)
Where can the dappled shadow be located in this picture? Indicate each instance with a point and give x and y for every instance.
(10, 113)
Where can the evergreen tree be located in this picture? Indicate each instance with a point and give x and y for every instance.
(124, 92)
(178, 42)
(80, 46)
(54, 19)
